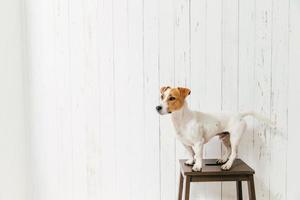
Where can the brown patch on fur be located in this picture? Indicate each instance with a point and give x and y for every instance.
(163, 89)
(176, 97)
(184, 91)
(224, 136)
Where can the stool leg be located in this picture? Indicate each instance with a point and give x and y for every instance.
(239, 192)
(251, 188)
(180, 186)
(187, 188)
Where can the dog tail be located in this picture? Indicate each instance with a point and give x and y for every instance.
(259, 117)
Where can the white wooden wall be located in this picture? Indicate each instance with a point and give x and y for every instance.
(95, 68)
(13, 136)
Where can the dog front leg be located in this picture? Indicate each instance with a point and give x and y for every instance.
(190, 150)
(198, 149)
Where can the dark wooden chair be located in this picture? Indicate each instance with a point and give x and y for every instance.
(212, 172)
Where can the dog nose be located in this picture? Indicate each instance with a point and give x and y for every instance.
(158, 108)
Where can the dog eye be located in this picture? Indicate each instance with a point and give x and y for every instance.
(172, 98)
(162, 97)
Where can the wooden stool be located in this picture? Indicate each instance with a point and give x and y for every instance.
(212, 172)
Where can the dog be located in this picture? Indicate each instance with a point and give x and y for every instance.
(194, 129)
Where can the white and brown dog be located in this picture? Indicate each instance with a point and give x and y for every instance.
(194, 129)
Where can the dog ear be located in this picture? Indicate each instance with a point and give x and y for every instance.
(184, 91)
(163, 89)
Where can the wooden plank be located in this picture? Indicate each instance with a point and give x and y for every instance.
(123, 96)
(246, 99)
(230, 59)
(64, 108)
(227, 179)
(107, 103)
(198, 53)
(182, 59)
(44, 145)
(198, 69)
(151, 141)
(262, 95)
(279, 99)
(230, 69)
(211, 168)
(136, 96)
(213, 84)
(15, 142)
(166, 73)
(79, 101)
(293, 102)
(92, 99)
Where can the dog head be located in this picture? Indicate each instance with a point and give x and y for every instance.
(172, 99)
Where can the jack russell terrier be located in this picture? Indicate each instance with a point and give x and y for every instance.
(194, 129)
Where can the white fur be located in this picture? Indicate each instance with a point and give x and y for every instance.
(164, 104)
(194, 129)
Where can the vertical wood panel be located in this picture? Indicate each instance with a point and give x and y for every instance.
(107, 103)
(182, 60)
(279, 100)
(246, 77)
(262, 94)
(15, 168)
(198, 69)
(151, 158)
(63, 109)
(230, 69)
(166, 77)
(43, 102)
(92, 99)
(213, 97)
(230, 59)
(79, 77)
(123, 93)
(293, 101)
(136, 95)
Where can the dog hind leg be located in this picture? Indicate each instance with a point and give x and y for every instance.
(235, 137)
(226, 154)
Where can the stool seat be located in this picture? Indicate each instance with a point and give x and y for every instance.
(210, 167)
(212, 172)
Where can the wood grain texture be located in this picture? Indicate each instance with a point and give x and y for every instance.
(246, 100)
(279, 98)
(213, 97)
(292, 192)
(182, 59)
(94, 77)
(151, 161)
(198, 68)
(107, 108)
(230, 70)
(262, 94)
(166, 77)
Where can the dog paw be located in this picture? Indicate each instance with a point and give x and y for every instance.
(226, 166)
(189, 162)
(221, 161)
(197, 167)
